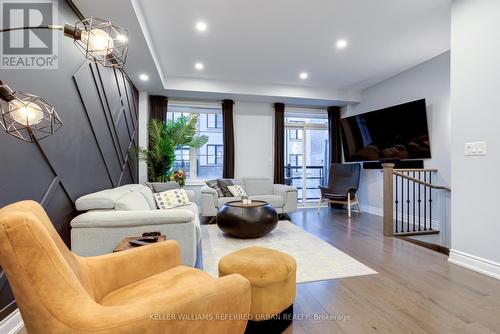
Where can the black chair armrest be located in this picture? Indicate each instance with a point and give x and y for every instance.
(323, 189)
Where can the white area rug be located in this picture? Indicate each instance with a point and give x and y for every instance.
(316, 259)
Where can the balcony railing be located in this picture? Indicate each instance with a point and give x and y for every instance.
(315, 176)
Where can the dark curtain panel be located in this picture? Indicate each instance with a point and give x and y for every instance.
(334, 135)
(228, 133)
(158, 107)
(279, 143)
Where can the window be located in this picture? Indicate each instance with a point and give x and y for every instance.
(214, 154)
(182, 159)
(295, 159)
(214, 121)
(206, 161)
(295, 133)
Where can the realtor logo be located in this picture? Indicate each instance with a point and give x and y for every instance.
(28, 48)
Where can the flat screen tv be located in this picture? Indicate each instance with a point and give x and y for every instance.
(393, 133)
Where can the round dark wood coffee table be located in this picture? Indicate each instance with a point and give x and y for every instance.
(247, 220)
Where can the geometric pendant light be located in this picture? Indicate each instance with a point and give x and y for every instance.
(30, 117)
(26, 116)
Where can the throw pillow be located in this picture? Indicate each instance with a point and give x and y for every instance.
(213, 184)
(237, 190)
(158, 187)
(172, 199)
(223, 184)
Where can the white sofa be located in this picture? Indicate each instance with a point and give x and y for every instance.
(130, 210)
(281, 197)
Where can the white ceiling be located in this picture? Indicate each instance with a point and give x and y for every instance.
(259, 47)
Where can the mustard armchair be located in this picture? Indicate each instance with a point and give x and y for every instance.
(142, 290)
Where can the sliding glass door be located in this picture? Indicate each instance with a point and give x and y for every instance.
(306, 154)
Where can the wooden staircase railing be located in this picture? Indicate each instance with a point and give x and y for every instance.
(408, 201)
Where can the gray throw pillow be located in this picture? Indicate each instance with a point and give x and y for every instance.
(213, 184)
(223, 184)
(158, 187)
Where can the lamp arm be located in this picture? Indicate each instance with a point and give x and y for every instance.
(47, 27)
(69, 30)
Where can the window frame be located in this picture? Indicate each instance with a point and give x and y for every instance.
(186, 108)
(217, 121)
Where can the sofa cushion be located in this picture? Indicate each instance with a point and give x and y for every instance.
(134, 200)
(258, 186)
(275, 200)
(223, 184)
(172, 199)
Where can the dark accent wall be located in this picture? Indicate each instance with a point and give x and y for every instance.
(99, 108)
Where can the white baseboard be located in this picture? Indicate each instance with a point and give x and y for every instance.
(380, 212)
(475, 263)
(372, 210)
(12, 324)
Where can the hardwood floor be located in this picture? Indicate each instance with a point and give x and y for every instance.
(415, 291)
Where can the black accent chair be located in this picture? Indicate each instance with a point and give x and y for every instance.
(343, 183)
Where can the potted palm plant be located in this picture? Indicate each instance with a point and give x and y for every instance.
(164, 139)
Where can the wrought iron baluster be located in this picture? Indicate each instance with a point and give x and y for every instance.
(414, 202)
(425, 202)
(408, 203)
(402, 204)
(419, 200)
(430, 202)
(396, 201)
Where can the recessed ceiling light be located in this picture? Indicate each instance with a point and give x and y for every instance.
(201, 26)
(199, 66)
(144, 77)
(303, 75)
(341, 43)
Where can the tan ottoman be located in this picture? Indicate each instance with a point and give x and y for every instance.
(272, 278)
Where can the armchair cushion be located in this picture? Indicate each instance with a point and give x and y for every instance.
(174, 280)
(113, 271)
(258, 186)
(275, 200)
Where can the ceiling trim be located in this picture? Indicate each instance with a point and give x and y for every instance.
(147, 36)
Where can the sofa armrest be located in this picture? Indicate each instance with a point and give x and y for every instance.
(289, 195)
(206, 190)
(113, 271)
(115, 218)
(282, 189)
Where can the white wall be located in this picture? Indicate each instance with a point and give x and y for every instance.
(429, 80)
(143, 133)
(254, 139)
(475, 103)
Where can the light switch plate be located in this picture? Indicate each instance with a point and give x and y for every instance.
(475, 148)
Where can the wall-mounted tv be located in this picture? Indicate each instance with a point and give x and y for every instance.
(393, 133)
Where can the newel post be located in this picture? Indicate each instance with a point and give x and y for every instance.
(388, 199)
